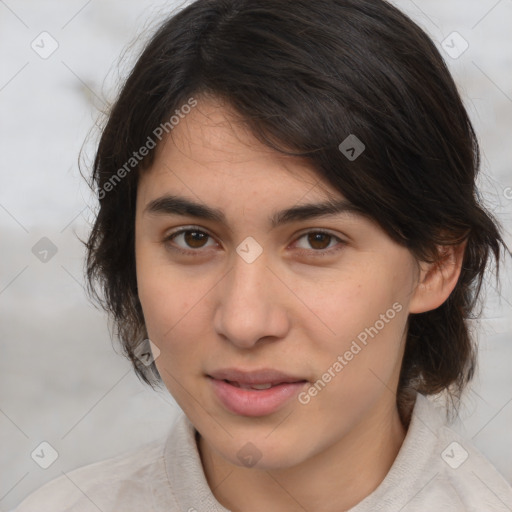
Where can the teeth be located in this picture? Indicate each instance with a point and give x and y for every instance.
(254, 386)
(262, 386)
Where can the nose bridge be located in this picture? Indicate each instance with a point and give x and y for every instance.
(246, 285)
(249, 307)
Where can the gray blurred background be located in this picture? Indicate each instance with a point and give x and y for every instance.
(61, 380)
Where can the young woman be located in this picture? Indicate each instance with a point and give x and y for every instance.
(288, 212)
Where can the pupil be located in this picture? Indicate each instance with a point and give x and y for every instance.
(195, 239)
(317, 240)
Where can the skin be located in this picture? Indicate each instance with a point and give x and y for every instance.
(292, 309)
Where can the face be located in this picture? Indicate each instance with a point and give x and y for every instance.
(315, 306)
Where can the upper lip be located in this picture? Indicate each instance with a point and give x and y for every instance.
(264, 376)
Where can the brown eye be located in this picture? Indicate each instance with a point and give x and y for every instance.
(195, 239)
(318, 243)
(319, 240)
(188, 240)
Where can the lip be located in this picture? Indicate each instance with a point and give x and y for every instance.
(249, 402)
(254, 377)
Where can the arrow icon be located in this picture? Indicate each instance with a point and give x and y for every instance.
(147, 356)
(249, 455)
(44, 455)
(249, 249)
(44, 44)
(44, 250)
(454, 45)
(352, 147)
(454, 455)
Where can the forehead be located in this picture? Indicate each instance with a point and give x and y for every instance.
(211, 151)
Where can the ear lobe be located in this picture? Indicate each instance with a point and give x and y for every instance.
(437, 280)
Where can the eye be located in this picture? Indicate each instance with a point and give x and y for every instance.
(190, 238)
(321, 242)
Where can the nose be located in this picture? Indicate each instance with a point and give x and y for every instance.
(251, 304)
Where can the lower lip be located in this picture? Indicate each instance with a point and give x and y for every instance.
(249, 402)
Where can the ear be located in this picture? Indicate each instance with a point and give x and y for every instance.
(437, 280)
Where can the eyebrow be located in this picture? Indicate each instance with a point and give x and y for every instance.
(178, 205)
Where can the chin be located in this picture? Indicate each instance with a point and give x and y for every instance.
(263, 455)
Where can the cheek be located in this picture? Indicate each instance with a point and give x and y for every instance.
(171, 311)
(169, 308)
(349, 302)
(365, 311)
(361, 361)
(175, 307)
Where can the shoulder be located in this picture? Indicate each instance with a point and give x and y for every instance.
(456, 472)
(438, 469)
(466, 474)
(124, 482)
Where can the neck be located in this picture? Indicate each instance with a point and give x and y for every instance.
(333, 480)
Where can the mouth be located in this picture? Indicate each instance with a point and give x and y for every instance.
(254, 393)
(257, 387)
(254, 379)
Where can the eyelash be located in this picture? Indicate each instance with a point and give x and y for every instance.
(306, 252)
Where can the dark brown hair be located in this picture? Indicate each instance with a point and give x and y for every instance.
(304, 75)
